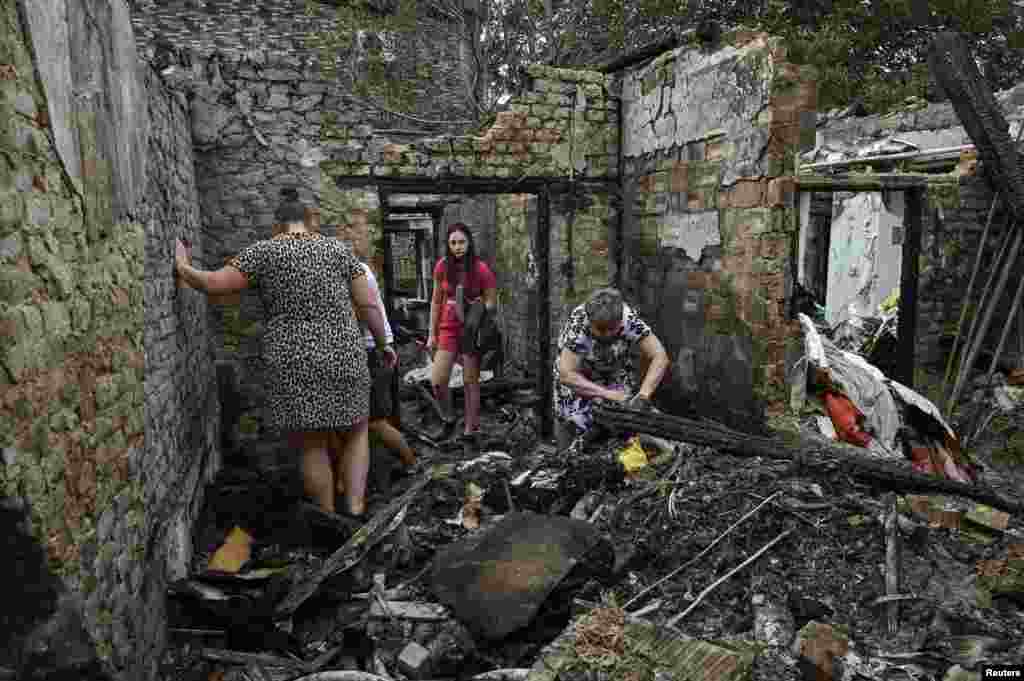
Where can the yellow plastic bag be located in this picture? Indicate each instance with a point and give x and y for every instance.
(235, 552)
(633, 457)
(891, 303)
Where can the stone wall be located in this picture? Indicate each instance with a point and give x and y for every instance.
(182, 410)
(709, 145)
(305, 31)
(89, 172)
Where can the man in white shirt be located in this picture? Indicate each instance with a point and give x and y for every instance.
(382, 397)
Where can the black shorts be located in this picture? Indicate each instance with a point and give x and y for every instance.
(382, 403)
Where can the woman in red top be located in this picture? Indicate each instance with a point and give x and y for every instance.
(460, 279)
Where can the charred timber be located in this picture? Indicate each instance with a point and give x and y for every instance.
(812, 454)
(954, 67)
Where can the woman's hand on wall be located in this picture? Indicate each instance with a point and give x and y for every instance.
(182, 254)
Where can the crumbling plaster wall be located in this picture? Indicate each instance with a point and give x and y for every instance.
(103, 426)
(953, 220)
(709, 143)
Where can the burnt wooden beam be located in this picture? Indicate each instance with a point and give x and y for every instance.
(909, 275)
(646, 53)
(308, 579)
(867, 182)
(815, 455)
(421, 209)
(955, 69)
(389, 266)
(470, 185)
(437, 218)
(542, 244)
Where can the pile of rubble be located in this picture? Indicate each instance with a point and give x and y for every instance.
(643, 558)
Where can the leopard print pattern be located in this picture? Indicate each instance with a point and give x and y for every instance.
(313, 348)
(608, 363)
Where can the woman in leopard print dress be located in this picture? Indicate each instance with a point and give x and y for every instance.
(312, 288)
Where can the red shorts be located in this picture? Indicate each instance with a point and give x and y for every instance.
(449, 336)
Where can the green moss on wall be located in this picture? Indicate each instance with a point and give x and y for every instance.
(944, 193)
(72, 363)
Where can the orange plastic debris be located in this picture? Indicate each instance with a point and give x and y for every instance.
(846, 418)
(235, 552)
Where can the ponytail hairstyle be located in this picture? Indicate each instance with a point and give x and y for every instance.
(291, 209)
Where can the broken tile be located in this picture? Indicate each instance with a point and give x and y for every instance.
(820, 645)
(496, 581)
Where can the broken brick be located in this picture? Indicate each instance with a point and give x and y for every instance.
(780, 191)
(678, 181)
(746, 193)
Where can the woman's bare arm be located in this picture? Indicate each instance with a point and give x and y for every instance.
(436, 301)
(491, 299)
(654, 351)
(367, 311)
(569, 374)
(227, 279)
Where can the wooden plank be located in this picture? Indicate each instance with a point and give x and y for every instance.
(909, 275)
(355, 549)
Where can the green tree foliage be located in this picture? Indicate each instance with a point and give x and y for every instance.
(414, 61)
(457, 58)
(867, 51)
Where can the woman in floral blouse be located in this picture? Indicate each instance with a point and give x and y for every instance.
(595, 362)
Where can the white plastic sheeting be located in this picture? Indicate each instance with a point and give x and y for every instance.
(872, 393)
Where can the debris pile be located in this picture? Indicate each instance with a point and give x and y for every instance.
(707, 562)
(856, 403)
